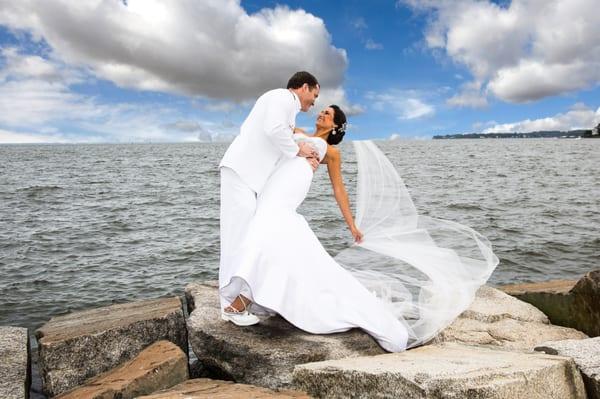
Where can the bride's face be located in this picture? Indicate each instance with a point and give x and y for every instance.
(325, 119)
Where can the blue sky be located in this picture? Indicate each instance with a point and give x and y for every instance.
(185, 71)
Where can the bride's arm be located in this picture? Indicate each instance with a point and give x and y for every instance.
(334, 167)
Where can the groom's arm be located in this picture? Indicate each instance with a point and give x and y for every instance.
(276, 125)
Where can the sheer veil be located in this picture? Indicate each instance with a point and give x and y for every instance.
(425, 270)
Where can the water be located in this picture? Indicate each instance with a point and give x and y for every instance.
(83, 226)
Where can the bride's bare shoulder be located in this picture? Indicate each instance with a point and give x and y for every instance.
(333, 154)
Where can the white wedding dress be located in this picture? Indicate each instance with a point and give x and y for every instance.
(410, 277)
(286, 270)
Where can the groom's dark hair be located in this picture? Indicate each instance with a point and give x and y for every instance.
(299, 78)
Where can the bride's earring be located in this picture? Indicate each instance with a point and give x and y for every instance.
(333, 132)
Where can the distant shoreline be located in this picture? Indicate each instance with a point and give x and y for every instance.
(573, 134)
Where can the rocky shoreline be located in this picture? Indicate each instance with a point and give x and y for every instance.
(536, 340)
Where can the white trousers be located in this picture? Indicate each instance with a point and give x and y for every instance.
(238, 204)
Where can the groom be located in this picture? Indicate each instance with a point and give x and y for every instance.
(265, 137)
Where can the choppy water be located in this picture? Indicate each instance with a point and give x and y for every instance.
(83, 226)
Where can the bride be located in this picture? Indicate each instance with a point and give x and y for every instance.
(283, 268)
(404, 280)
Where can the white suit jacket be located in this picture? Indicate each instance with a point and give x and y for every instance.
(265, 137)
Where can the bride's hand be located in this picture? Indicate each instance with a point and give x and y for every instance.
(358, 236)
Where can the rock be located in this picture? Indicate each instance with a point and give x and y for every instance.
(586, 306)
(264, 354)
(568, 303)
(586, 354)
(496, 319)
(555, 287)
(161, 365)
(15, 363)
(80, 345)
(204, 388)
(199, 370)
(492, 305)
(444, 371)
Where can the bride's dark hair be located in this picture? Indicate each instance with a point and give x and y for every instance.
(338, 132)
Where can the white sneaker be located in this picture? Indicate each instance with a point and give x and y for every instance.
(244, 318)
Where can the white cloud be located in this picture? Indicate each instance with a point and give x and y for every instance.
(220, 106)
(359, 23)
(11, 137)
(34, 90)
(209, 48)
(413, 108)
(185, 126)
(470, 95)
(338, 97)
(204, 132)
(578, 117)
(534, 79)
(398, 137)
(524, 51)
(37, 102)
(372, 45)
(405, 104)
(19, 66)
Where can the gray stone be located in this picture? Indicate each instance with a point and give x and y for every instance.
(161, 365)
(204, 388)
(586, 354)
(199, 370)
(15, 363)
(80, 345)
(491, 305)
(496, 319)
(266, 353)
(568, 303)
(444, 371)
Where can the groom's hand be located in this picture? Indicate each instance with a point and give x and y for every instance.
(314, 162)
(307, 150)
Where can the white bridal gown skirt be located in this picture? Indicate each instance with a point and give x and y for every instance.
(284, 269)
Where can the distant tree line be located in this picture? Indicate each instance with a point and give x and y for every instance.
(528, 135)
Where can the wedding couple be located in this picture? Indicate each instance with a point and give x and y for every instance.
(408, 287)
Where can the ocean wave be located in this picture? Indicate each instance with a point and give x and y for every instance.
(75, 241)
(32, 191)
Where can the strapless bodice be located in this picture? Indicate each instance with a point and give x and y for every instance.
(317, 142)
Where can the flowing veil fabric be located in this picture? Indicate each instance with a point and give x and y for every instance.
(425, 270)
